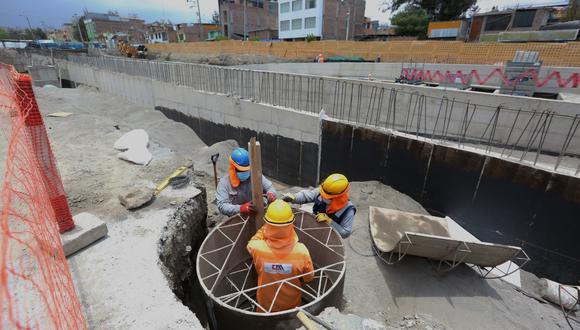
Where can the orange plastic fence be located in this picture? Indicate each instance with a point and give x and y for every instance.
(36, 286)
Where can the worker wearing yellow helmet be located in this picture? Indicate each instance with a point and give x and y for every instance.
(331, 203)
(277, 255)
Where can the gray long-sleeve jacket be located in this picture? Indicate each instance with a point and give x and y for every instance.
(229, 198)
(342, 219)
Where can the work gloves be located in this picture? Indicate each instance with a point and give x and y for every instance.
(247, 208)
(289, 198)
(271, 197)
(323, 217)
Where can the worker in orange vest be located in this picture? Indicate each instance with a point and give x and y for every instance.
(234, 191)
(278, 255)
(320, 58)
(331, 203)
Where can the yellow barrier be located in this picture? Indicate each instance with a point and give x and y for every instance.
(553, 54)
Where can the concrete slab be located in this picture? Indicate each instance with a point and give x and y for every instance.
(88, 229)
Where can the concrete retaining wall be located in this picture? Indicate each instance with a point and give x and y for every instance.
(290, 138)
(391, 71)
(444, 113)
(496, 200)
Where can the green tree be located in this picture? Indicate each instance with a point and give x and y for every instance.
(40, 34)
(573, 11)
(4, 34)
(437, 10)
(412, 21)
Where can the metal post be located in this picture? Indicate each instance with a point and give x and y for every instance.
(347, 23)
(245, 20)
(29, 26)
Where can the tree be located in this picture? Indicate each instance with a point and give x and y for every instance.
(412, 21)
(40, 34)
(573, 11)
(437, 10)
(4, 34)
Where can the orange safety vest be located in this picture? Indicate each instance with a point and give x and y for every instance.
(277, 258)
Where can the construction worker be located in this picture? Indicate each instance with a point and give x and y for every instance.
(331, 203)
(234, 191)
(277, 255)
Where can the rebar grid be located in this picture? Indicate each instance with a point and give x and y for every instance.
(231, 281)
(538, 137)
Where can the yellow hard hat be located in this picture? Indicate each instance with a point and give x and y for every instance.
(335, 184)
(279, 213)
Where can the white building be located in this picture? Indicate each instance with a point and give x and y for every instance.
(299, 18)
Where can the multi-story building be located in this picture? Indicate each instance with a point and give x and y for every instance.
(197, 32)
(161, 32)
(102, 27)
(371, 30)
(448, 30)
(508, 25)
(260, 15)
(323, 19)
(65, 33)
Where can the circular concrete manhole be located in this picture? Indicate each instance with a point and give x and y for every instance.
(229, 280)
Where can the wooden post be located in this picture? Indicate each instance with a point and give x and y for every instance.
(256, 180)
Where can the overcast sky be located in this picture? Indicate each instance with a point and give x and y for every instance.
(53, 13)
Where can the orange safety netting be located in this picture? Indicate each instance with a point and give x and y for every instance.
(36, 286)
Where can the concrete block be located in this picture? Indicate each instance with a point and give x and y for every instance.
(88, 229)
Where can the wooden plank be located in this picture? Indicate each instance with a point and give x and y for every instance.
(256, 180)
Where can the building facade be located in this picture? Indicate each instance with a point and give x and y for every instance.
(488, 26)
(260, 15)
(323, 19)
(102, 27)
(197, 32)
(161, 32)
(448, 30)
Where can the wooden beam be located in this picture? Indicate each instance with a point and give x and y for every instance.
(256, 180)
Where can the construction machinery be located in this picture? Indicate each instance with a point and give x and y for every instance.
(140, 51)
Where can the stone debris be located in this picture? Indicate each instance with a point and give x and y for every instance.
(134, 146)
(135, 198)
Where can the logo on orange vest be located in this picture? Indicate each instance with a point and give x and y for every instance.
(271, 268)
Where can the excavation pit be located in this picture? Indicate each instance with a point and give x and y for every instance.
(229, 280)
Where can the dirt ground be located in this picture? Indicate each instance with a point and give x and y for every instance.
(219, 59)
(212, 59)
(116, 279)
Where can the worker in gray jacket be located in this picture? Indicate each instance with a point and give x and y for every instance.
(331, 203)
(234, 191)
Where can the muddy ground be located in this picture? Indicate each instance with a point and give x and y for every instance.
(118, 285)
